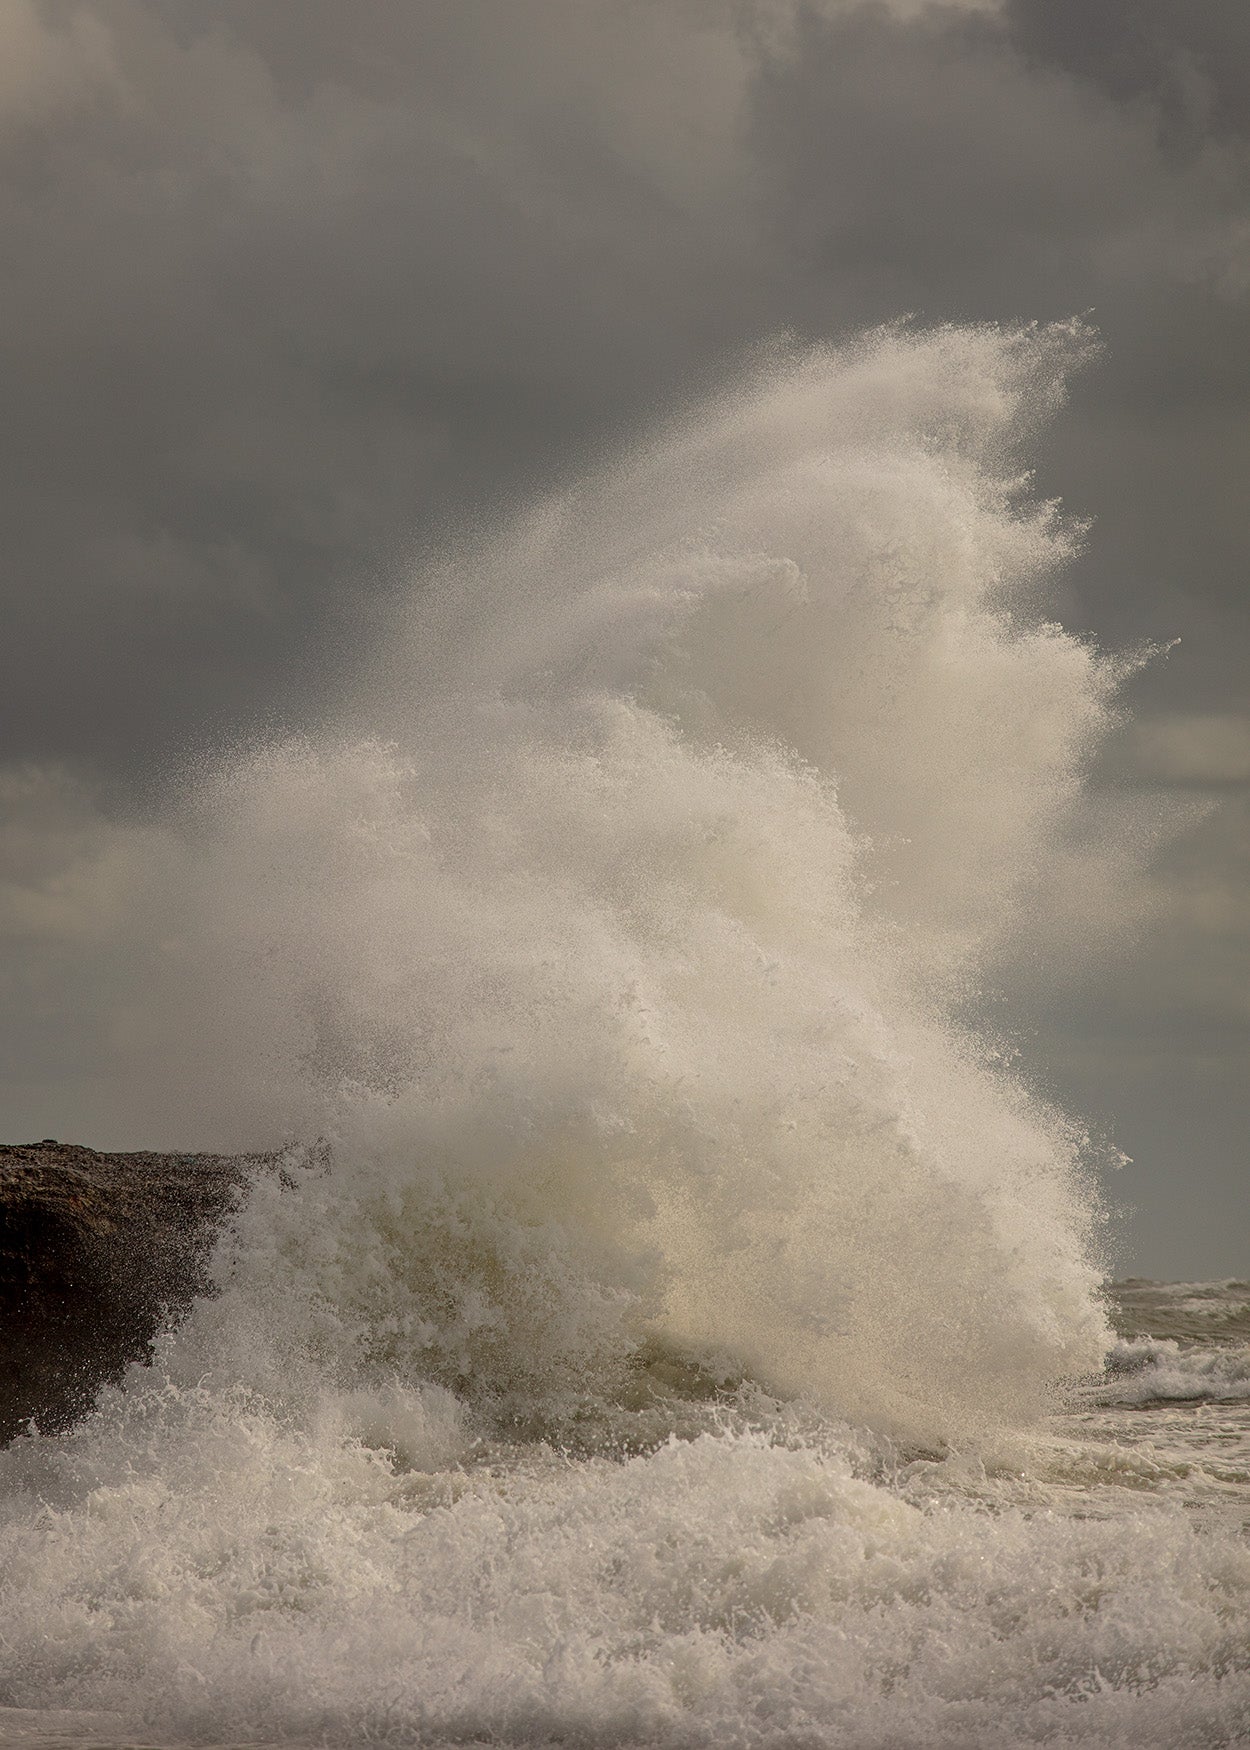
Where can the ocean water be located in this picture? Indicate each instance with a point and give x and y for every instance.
(677, 1323)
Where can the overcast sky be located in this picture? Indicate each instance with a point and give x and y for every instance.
(292, 291)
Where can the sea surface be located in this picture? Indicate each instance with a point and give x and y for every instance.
(699, 1564)
(686, 1327)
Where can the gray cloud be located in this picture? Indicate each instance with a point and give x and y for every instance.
(280, 300)
(1211, 749)
(292, 294)
(1187, 62)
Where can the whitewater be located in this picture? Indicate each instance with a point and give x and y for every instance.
(676, 1322)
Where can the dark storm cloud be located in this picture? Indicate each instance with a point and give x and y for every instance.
(279, 296)
(292, 292)
(1188, 58)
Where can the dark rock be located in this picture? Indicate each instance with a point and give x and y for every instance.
(97, 1253)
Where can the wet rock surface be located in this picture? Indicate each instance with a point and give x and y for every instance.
(97, 1252)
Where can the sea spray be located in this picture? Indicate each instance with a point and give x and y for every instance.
(649, 1207)
(616, 960)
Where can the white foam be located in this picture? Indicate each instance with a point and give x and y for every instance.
(1151, 1369)
(234, 1577)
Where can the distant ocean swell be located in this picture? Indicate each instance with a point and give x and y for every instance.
(664, 1344)
(1159, 1370)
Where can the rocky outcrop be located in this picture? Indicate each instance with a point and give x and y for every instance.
(97, 1251)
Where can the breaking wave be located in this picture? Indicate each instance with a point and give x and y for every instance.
(650, 1203)
(617, 960)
